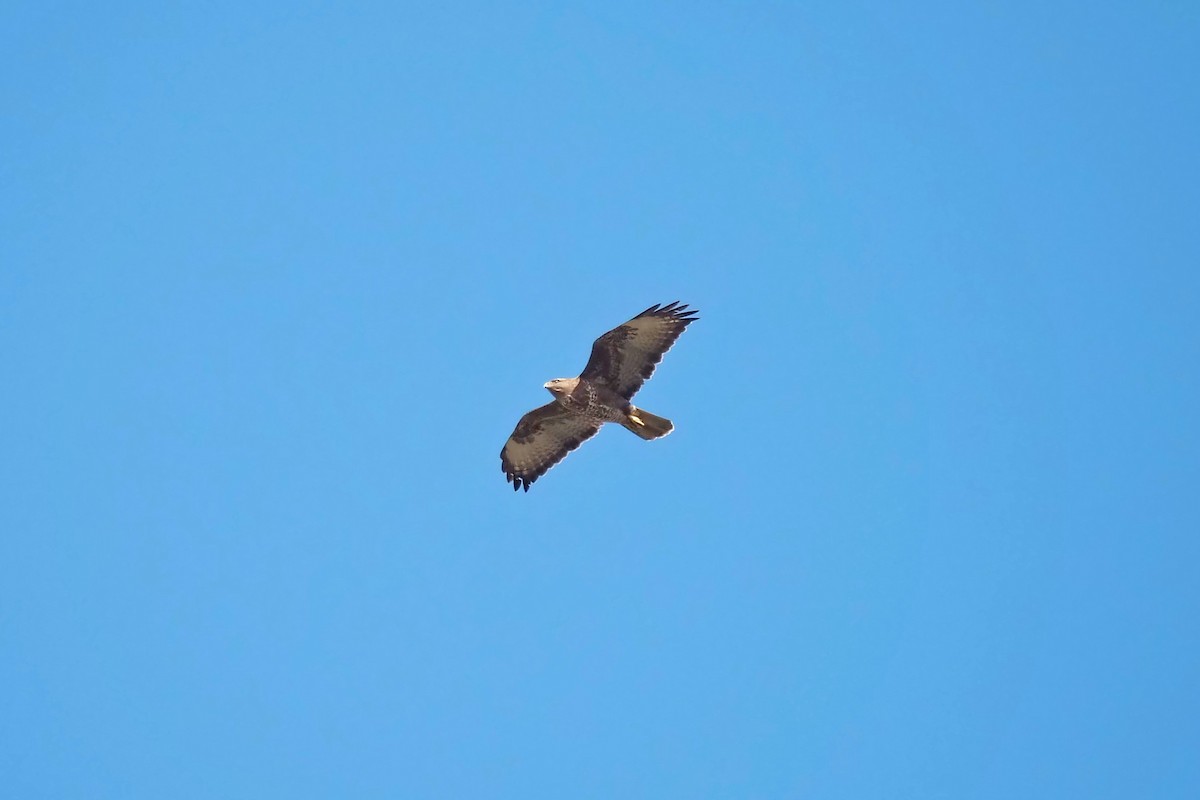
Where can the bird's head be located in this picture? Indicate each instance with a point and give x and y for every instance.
(560, 386)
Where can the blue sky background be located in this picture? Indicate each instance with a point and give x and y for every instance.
(277, 280)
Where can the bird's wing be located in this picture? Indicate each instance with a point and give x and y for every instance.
(542, 438)
(625, 357)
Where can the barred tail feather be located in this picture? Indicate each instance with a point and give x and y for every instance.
(647, 425)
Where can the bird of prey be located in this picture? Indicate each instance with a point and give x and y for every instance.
(621, 361)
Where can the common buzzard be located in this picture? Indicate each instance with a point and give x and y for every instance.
(621, 361)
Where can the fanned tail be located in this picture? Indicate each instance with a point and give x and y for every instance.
(647, 425)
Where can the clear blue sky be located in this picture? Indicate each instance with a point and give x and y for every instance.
(277, 280)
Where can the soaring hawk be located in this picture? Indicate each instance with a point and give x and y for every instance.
(621, 361)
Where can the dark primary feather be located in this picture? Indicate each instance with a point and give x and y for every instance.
(626, 356)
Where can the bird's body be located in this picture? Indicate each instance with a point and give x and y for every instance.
(591, 400)
(621, 361)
